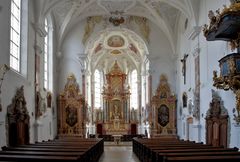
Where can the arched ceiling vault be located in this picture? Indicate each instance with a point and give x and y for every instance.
(121, 45)
(164, 13)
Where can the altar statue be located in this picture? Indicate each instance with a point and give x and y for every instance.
(116, 113)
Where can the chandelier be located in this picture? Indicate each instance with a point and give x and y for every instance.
(116, 8)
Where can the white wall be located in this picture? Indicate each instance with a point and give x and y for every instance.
(14, 80)
(210, 53)
(68, 61)
(162, 59)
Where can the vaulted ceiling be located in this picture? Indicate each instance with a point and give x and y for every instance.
(66, 13)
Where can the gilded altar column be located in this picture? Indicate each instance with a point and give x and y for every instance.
(107, 110)
(104, 111)
(126, 111)
(83, 83)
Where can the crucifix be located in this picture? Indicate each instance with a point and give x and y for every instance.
(184, 67)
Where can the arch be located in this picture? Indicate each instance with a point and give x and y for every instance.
(126, 33)
(129, 36)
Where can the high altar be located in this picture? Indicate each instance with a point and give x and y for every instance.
(116, 105)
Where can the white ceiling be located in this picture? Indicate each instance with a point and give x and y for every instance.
(67, 13)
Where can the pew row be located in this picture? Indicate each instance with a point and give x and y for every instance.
(160, 150)
(81, 150)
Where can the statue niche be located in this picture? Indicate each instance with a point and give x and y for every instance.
(163, 117)
(71, 107)
(116, 112)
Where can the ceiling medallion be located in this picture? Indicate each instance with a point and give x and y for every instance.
(115, 52)
(115, 41)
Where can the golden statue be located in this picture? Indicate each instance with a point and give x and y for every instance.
(116, 113)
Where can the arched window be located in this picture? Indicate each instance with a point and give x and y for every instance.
(134, 90)
(15, 34)
(97, 89)
(19, 36)
(48, 54)
(46, 59)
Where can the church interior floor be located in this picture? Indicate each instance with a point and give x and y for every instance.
(118, 153)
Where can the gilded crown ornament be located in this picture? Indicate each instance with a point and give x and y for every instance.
(224, 24)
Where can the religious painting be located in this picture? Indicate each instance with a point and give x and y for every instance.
(184, 99)
(116, 109)
(163, 95)
(196, 112)
(163, 115)
(184, 68)
(115, 52)
(133, 48)
(49, 99)
(115, 41)
(71, 116)
(98, 48)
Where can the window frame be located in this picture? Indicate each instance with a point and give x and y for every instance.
(46, 56)
(134, 90)
(15, 17)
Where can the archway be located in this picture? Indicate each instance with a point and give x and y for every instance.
(117, 52)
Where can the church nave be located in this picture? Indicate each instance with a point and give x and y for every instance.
(121, 153)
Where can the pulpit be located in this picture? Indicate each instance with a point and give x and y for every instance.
(71, 110)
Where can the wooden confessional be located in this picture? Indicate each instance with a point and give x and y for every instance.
(217, 123)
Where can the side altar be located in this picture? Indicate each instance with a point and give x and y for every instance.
(163, 117)
(117, 118)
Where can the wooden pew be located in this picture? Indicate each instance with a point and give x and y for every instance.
(154, 150)
(37, 158)
(84, 151)
(218, 158)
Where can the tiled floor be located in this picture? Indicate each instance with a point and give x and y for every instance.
(118, 154)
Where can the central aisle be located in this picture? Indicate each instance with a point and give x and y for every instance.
(118, 154)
